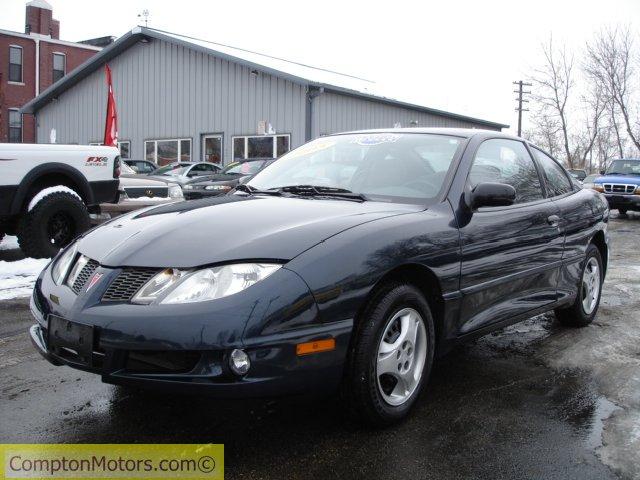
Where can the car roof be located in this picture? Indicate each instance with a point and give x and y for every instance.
(456, 132)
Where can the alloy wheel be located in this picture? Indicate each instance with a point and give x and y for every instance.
(590, 285)
(401, 356)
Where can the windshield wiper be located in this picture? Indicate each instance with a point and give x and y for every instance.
(321, 191)
(243, 187)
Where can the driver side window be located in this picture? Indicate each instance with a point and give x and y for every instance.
(507, 161)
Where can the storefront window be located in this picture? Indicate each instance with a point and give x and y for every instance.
(260, 146)
(164, 152)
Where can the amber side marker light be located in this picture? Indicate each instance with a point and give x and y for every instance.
(316, 347)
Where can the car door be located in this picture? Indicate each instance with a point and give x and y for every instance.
(511, 255)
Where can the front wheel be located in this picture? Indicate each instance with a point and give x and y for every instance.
(582, 312)
(391, 356)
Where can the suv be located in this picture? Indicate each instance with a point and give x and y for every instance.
(620, 183)
(47, 192)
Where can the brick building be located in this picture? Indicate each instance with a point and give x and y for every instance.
(32, 61)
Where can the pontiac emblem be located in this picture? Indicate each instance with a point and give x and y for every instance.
(96, 277)
(149, 193)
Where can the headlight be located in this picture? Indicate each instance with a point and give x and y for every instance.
(62, 265)
(217, 187)
(180, 286)
(218, 282)
(175, 191)
(637, 192)
(158, 285)
(186, 187)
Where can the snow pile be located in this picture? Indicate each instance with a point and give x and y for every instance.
(148, 199)
(48, 191)
(17, 278)
(9, 243)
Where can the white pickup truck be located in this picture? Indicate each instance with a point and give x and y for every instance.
(47, 192)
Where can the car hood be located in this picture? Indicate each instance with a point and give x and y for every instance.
(628, 179)
(215, 179)
(227, 228)
(140, 180)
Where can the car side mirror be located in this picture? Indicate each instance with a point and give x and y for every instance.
(601, 172)
(492, 195)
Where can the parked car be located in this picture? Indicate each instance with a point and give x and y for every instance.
(141, 166)
(139, 191)
(620, 184)
(47, 192)
(329, 269)
(183, 172)
(225, 181)
(579, 173)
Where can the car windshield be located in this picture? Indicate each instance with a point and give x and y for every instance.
(127, 170)
(624, 167)
(380, 166)
(172, 171)
(244, 168)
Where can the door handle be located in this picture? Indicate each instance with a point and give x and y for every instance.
(553, 220)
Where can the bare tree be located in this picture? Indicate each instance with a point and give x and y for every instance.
(553, 84)
(610, 63)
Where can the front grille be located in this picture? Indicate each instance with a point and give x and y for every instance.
(84, 276)
(137, 192)
(127, 284)
(619, 188)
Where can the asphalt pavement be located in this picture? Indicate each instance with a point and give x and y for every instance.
(534, 400)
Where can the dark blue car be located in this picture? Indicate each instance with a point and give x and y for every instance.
(351, 262)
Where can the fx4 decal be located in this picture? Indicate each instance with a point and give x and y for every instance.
(96, 161)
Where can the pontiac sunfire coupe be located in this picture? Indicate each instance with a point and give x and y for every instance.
(350, 262)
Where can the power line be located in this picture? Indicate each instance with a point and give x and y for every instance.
(521, 93)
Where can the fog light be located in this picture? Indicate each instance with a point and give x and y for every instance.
(239, 362)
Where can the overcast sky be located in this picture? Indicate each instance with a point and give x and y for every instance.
(459, 56)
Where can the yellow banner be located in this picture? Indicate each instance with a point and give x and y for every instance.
(112, 461)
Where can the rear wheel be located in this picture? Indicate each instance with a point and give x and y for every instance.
(391, 356)
(582, 312)
(52, 224)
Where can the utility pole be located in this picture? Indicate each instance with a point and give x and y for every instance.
(521, 93)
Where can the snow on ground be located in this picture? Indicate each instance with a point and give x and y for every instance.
(17, 278)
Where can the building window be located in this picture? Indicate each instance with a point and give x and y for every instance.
(59, 66)
(164, 152)
(15, 64)
(260, 146)
(125, 149)
(15, 126)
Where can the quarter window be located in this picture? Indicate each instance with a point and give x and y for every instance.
(556, 179)
(15, 126)
(164, 152)
(15, 64)
(59, 66)
(260, 146)
(507, 161)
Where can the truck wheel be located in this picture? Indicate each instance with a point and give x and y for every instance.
(622, 211)
(391, 356)
(582, 312)
(52, 224)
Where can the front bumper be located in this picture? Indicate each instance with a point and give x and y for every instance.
(134, 347)
(630, 202)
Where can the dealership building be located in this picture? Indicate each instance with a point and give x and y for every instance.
(182, 98)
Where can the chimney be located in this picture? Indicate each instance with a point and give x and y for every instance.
(39, 19)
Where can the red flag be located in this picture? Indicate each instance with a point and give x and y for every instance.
(111, 125)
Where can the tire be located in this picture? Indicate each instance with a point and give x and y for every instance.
(370, 397)
(52, 224)
(622, 211)
(578, 314)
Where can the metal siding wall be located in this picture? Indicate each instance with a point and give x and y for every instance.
(333, 113)
(168, 91)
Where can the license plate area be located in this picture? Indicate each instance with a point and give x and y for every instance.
(70, 340)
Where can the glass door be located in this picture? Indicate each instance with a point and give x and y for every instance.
(212, 148)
